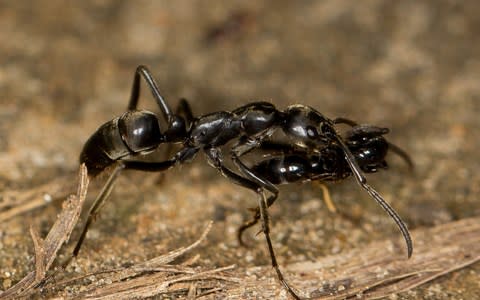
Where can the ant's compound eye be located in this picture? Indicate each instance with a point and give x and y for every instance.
(312, 132)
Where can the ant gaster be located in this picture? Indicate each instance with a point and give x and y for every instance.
(135, 133)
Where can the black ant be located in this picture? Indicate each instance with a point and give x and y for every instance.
(289, 164)
(137, 132)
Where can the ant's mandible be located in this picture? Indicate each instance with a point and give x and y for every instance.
(137, 132)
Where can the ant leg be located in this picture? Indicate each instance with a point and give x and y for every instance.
(246, 225)
(261, 182)
(107, 189)
(214, 157)
(345, 121)
(150, 166)
(147, 76)
(326, 198)
(258, 180)
(275, 148)
(266, 231)
(403, 155)
(96, 206)
(184, 109)
(176, 130)
(362, 181)
(244, 148)
(253, 221)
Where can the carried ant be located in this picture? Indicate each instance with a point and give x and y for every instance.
(289, 164)
(137, 132)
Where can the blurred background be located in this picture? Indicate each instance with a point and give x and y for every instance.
(414, 67)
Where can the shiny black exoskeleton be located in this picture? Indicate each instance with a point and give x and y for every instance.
(365, 142)
(134, 133)
(292, 164)
(119, 142)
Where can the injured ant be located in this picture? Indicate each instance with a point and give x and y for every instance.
(137, 132)
(290, 164)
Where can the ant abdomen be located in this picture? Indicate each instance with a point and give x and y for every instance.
(284, 170)
(135, 132)
(140, 131)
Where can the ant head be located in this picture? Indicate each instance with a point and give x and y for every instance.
(368, 146)
(309, 127)
(140, 130)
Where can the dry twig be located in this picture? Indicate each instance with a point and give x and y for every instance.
(46, 250)
(14, 203)
(150, 278)
(376, 271)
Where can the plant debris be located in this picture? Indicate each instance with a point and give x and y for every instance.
(46, 250)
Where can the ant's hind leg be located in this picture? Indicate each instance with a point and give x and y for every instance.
(107, 189)
(95, 208)
(184, 108)
(142, 71)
